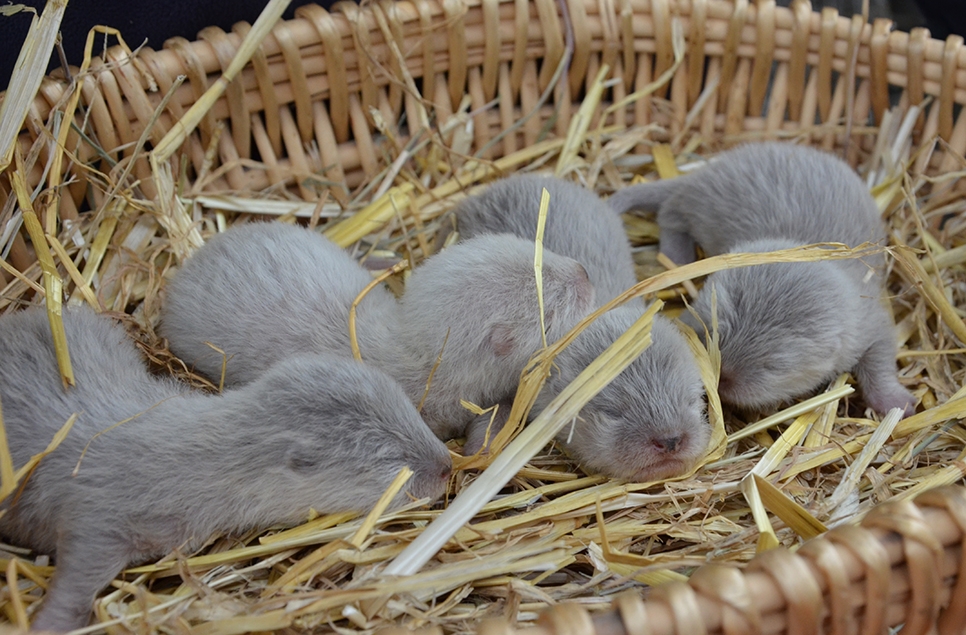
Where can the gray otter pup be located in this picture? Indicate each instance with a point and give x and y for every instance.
(649, 423)
(266, 291)
(784, 328)
(314, 432)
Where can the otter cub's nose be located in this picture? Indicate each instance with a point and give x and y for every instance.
(669, 444)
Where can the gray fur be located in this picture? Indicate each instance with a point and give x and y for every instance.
(785, 328)
(483, 293)
(579, 226)
(619, 433)
(314, 432)
(649, 422)
(266, 291)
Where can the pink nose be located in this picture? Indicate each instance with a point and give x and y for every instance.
(668, 444)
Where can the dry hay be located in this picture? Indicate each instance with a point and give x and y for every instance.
(553, 533)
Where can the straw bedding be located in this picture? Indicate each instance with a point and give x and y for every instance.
(554, 533)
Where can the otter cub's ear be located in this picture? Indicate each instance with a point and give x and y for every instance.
(302, 458)
(502, 340)
(584, 291)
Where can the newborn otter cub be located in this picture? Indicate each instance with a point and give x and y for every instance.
(170, 467)
(649, 422)
(784, 328)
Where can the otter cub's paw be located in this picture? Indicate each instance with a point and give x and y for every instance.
(894, 396)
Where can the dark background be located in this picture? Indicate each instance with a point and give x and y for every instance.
(153, 21)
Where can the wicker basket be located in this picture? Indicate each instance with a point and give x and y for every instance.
(318, 78)
(316, 113)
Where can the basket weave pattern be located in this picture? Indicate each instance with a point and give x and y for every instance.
(892, 569)
(307, 99)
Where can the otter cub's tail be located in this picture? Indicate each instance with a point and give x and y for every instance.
(645, 196)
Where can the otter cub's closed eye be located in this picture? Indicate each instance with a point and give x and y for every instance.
(785, 328)
(649, 422)
(314, 432)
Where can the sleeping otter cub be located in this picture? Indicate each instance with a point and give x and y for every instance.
(785, 328)
(150, 466)
(649, 423)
